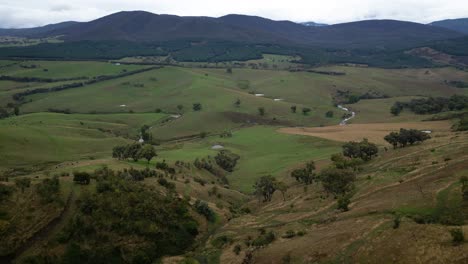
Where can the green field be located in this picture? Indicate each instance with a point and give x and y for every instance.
(263, 151)
(69, 69)
(48, 138)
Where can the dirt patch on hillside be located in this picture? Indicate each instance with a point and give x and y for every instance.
(373, 132)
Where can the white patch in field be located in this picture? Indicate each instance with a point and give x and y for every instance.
(215, 147)
(278, 100)
(260, 95)
(123, 105)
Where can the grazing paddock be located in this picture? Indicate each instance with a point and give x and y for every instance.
(374, 132)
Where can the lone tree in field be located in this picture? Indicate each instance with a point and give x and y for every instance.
(180, 108)
(229, 70)
(197, 107)
(364, 150)
(16, 111)
(237, 103)
(294, 109)
(23, 183)
(147, 152)
(306, 110)
(305, 175)
(265, 187)
(329, 114)
(261, 111)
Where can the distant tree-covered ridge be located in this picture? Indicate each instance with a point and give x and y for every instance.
(431, 105)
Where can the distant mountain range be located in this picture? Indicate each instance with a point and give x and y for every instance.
(140, 26)
(460, 25)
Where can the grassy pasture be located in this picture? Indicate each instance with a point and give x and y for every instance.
(48, 138)
(263, 152)
(65, 69)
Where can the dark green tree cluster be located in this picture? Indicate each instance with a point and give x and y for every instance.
(406, 137)
(49, 190)
(266, 186)
(145, 135)
(126, 222)
(23, 183)
(204, 209)
(336, 181)
(364, 150)
(305, 175)
(227, 160)
(431, 105)
(134, 151)
(82, 178)
(197, 107)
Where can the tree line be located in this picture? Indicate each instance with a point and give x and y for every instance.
(431, 105)
(406, 137)
(135, 151)
(38, 79)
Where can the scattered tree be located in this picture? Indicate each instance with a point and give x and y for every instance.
(405, 137)
(329, 114)
(180, 108)
(226, 160)
(343, 202)
(119, 152)
(197, 107)
(283, 188)
(337, 181)
(458, 237)
(364, 150)
(305, 175)
(23, 183)
(265, 187)
(49, 190)
(294, 109)
(82, 178)
(229, 70)
(237, 103)
(261, 111)
(16, 110)
(147, 152)
(306, 110)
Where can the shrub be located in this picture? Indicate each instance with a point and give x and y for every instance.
(83, 178)
(237, 249)
(289, 234)
(396, 222)
(226, 160)
(343, 202)
(264, 239)
(457, 236)
(202, 208)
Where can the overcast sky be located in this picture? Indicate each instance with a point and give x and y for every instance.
(28, 13)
